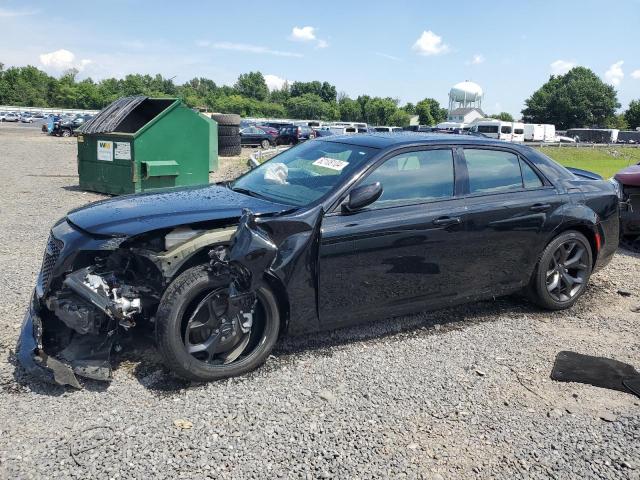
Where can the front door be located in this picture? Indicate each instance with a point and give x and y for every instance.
(399, 252)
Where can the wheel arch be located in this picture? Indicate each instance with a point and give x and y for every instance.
(201, 256)
(589, 230)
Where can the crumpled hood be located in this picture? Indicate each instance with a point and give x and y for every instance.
(629, 176)
(135, 214)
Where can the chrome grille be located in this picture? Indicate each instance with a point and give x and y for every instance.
(51, 254)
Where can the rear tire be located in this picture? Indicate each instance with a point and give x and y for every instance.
(265, 143)
(562, 273)
(177, 304)
(65, 133)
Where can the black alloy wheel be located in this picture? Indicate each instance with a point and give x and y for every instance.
(200, 341)
(562, 273)
(567, 271)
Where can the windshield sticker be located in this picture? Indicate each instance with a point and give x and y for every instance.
(331, 163)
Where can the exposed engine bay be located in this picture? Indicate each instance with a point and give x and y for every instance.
(90, 309)
(87, 301)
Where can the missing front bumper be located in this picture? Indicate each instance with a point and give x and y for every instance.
(83, 355)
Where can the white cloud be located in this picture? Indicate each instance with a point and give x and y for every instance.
(62, 60)
(243, 47)
(635, 74)
(6, 13)
(614, 74)
(388, 57)
(560, 67)
(307, 34)
(477, 59)
(274, 82)
(303, 34)
(430, 44)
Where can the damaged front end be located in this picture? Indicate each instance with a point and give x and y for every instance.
(89, 291)
(92, 290)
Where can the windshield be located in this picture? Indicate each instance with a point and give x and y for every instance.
(304, 173)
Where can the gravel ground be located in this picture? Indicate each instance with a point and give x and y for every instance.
(459, 393)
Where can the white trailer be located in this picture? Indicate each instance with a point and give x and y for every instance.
(518, 132)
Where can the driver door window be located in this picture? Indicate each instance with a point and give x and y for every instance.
(414, 177)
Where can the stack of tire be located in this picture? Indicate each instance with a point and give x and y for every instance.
(228, 134)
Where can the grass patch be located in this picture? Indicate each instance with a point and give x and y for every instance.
(605, 161)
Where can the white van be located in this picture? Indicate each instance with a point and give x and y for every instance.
(549, 133)
(539, 132)
(533, 132)
(451, 126)
(518, 132)
(387, 129)
(494, 129)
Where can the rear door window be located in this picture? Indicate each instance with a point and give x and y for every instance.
(492, 171)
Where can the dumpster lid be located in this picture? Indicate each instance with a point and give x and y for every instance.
(128, 115)
(108, 119)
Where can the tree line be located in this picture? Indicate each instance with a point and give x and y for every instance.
(577, 99)
(249, 96)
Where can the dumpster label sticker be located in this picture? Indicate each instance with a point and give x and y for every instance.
(105, 151)
(123, 151)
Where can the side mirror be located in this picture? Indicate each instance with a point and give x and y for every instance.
(362, 196)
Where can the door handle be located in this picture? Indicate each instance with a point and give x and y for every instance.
(447, 221)
(540, 207)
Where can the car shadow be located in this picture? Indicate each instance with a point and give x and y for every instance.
(139, 357)
(152, 374)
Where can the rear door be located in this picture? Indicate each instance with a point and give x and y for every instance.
(509, 206)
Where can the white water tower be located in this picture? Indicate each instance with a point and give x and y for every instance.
(465, 95)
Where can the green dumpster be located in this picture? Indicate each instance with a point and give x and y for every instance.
(138, 144)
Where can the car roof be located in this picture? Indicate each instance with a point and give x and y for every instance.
(385, 140)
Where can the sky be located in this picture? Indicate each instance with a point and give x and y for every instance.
(401, 49)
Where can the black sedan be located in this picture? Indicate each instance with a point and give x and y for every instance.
(252, 136)
(331, 232)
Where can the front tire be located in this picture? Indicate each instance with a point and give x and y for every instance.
(180, 335)
(265, 144)
(562, 273)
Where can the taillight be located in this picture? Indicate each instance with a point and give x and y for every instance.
(299, 131)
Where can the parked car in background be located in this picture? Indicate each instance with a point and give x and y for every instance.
(627, 183)
(2, 115)
(269, 130)
(66, 127)
(387, 129)
(256, 136)
(26, 118)
(294, 134)
(276, 125)
(326, 234)
(11, 117)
